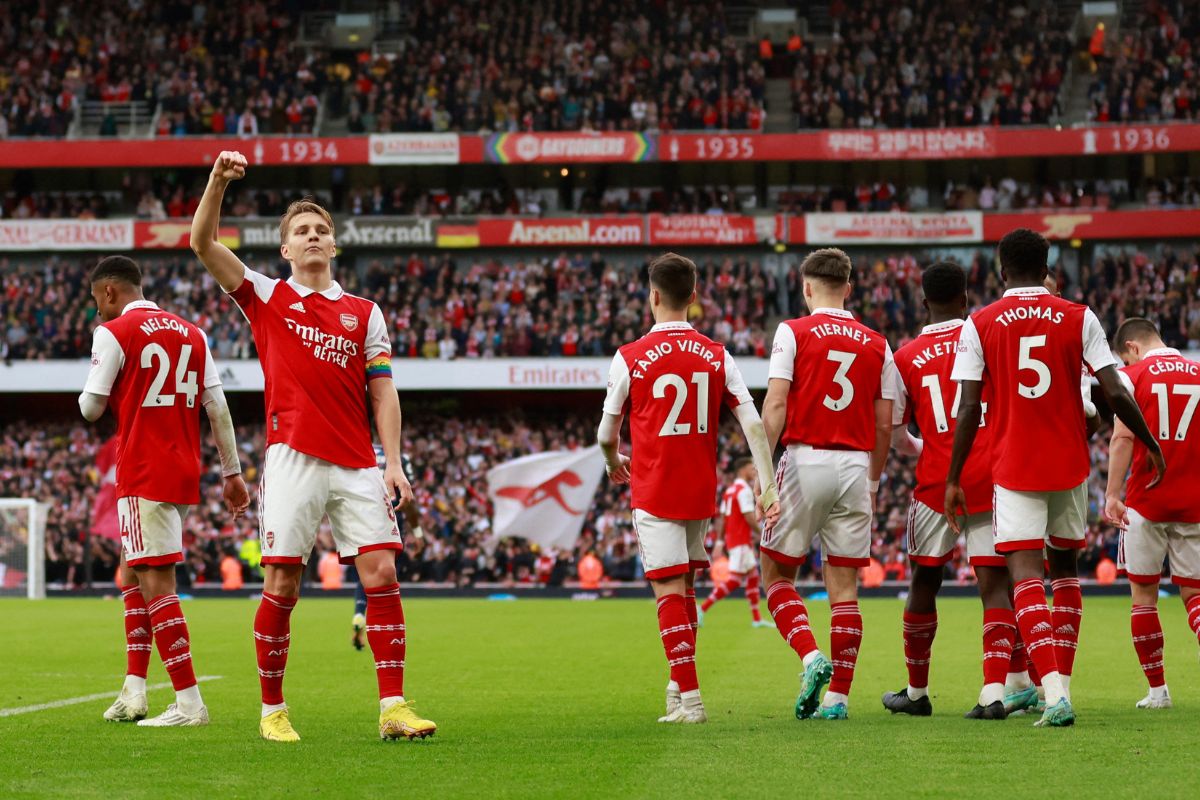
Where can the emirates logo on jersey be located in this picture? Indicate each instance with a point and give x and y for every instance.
(349, 322)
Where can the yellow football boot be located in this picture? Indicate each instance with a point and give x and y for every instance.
(401, 720)
(276, 727)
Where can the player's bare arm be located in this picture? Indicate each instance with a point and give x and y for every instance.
(92, 406)
(608, 436)
(966, 425)
(219, 260)
(1120, 456)
(1127, 411)
(234, 492)
(883, 443)
(904, 443)
(775, 410)
(385, 405)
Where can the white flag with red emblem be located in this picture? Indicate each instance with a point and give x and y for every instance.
(545, 497)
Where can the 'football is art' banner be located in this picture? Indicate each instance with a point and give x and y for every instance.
(545, 497)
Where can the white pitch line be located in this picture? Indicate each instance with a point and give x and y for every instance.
(87, 698)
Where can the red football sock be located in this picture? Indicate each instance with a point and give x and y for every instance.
(845, 637)
(1017, 661)
(385, 634)
(1066, 618)
(999, 634)
(1033, 620)
(720, 592)
(689, 602)
(919, 630)
(137, 632)
(1148, 642)
(679, 641)
(752, 596)
(791, 617)
(272, 638)
(171, 636)
(1193, 614)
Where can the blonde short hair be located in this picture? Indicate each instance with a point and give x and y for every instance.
(305, 205)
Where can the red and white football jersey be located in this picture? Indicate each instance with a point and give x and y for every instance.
(153, 368)
(736, 502)
(672, 383)
(1028, 345)
(838, 368)
(314, 348)
(930, 398)
(1167, 387)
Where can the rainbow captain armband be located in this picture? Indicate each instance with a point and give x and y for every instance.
(379, 367)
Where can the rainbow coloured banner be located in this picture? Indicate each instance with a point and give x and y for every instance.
(570, 148)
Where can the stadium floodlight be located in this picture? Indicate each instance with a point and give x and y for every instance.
(22, 547)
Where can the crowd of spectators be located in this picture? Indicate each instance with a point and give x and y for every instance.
(1149, 72)
(446, 306)
(213, 67)
(451, 454)
(930, 64)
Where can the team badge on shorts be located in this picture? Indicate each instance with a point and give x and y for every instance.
(349, 321)
(270, 539)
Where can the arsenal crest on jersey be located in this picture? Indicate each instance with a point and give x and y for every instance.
(349, 321)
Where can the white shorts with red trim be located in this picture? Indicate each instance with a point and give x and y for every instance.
(822, 493)
(296, 490)
(1146, 544)
(151, 532)
(742, 560)
(670, 547)
(931, 542)
(1034, 520)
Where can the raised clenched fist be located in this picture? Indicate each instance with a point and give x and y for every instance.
(230, 166)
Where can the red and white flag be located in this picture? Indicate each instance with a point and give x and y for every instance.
(104, 507)
(545, 497)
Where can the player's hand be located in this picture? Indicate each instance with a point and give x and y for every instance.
(619, 473)
(230, 166)
(956, 501)
(237, 498)
(1160, 467)
(399, 489)
(771, 516)
(1116, 513)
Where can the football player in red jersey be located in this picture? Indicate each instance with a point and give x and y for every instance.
(1028, 347)
(831, 386)
(672, 383)
(740, 536)
(1160, 521)
(323, 353)
(149, 366)
(929, 398)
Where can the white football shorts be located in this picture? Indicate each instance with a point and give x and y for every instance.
(1145, 545)
(670, 547)
(151, 532)
(822, 493)
(1034, 520)
(296, 490)
(931, 542)
(742, 560)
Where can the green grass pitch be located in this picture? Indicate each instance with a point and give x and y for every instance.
(549, 698)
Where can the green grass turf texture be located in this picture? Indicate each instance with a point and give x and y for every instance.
(554, 698)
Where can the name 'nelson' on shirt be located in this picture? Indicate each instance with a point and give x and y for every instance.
(153, 324)
(683, 345)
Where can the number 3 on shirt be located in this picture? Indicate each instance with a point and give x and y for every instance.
(672, 426)
(185, 380)
(844, 360)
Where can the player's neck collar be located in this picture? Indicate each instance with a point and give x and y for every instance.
(1161, 351)
(672, 326)
(1027, 290)
(136, 304)
(334, 291)
(941, 327)
(834, 312)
